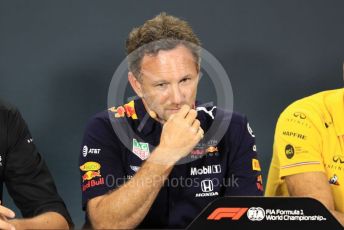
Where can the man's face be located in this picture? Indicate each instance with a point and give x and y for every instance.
(168, 81)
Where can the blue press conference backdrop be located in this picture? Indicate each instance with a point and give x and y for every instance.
(57, 59)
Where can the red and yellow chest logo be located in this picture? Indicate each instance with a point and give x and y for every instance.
(125, 110)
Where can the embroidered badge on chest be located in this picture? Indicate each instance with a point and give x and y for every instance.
(140, 149)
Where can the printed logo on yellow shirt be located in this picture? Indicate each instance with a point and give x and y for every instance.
(334, 180)
(338, 159)
(289, 151)
(300, 115)
(294, 134)
(297, 118)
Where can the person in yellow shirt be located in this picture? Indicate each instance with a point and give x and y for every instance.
(308, 151)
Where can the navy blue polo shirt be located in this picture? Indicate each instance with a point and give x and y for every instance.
(117, 141)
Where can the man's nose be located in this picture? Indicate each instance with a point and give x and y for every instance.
(177, 95)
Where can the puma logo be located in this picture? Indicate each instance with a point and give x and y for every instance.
(209, 112)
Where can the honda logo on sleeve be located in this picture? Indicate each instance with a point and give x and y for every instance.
(207, 186)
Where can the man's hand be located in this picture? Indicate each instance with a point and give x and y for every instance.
(181, 133)
(47, 220)
(6, 213)
(314, 185)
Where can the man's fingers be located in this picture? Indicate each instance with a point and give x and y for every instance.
(171, 117)
(184, 110)
(196, 124)
(191, 116)
(6, 212)
(6, 225)
(200, 133)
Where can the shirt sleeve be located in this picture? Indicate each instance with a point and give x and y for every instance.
(298, 143)
(27, 176)
(101, 167)
(244, 168)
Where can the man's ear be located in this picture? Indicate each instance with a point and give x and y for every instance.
(135, 84)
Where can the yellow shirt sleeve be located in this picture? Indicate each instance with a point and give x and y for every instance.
(298, 142)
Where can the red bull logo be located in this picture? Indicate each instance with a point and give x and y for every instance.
(89, 175)
(259, 183)
(130, 110)
(120, 111)
(212, 149)
(93, 183)
(127, 109)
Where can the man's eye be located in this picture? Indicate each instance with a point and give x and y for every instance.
(161, 85)
(185, 79)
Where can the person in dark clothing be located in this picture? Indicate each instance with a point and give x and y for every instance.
(147, 163)
(27, 178)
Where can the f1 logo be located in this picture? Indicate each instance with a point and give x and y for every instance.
(231, 213)
(207, 185)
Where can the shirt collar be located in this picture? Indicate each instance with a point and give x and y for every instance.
(146, 123)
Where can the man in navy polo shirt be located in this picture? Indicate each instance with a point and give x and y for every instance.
(146, 163)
